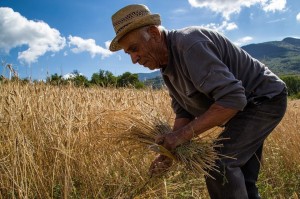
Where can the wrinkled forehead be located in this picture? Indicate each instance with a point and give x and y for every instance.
(130, 38)
(132, 34)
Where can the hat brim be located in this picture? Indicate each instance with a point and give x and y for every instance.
(153, 19)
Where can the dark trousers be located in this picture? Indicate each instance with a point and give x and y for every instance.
(243, 139)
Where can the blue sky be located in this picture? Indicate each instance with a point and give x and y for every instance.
(43, 37)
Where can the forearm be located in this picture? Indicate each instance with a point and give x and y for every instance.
(216, 115)
(180, 123)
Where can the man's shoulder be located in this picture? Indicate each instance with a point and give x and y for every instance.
(186, 37)
(189, 32)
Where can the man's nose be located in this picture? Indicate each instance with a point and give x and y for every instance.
(134, 58)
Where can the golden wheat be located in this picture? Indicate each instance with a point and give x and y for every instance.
(55, 142)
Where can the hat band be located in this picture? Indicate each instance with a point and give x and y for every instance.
(120, 29)
(131, 15)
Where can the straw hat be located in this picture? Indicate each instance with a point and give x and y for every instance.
(130, 18)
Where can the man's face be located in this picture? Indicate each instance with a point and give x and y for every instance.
(142, 49)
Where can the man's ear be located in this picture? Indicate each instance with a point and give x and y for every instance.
(155, 33)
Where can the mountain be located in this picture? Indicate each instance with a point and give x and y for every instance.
(282, 57)
(147, 76)
(293, 41)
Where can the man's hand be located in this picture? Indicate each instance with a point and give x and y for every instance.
(160, 165)
(173, 139)
(169, 141)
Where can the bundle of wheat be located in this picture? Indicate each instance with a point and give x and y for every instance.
(140, 130)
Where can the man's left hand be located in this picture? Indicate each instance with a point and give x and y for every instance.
(160, 165)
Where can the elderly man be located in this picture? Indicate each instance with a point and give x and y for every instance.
(211, 82)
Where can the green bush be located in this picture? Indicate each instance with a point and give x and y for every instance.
(293, 84)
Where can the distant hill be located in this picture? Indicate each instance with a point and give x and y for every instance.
(282, 57)
(146, 76)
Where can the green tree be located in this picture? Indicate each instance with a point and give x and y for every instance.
(104, 79)
(80, 80)
(24, 80)
(292, 83)
(128, 79)
(55, 79)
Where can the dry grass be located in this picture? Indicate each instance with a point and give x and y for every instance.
(280, 176)
(55, 142)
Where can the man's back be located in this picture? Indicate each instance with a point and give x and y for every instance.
(214, 66)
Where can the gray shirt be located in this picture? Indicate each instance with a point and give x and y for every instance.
(204, 67)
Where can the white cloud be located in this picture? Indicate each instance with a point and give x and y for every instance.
(179, 11)
(119, 57)
(70, 75)
(225, 26)
(229, 7)
(276, 20)
(298, 17)
(88, 45)
(16, 30)
(231, 26)
(107, 44)
(274, 5)
(243, 41)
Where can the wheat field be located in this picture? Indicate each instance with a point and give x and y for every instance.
(59, 142)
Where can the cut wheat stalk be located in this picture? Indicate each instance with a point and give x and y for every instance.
(198, 155)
